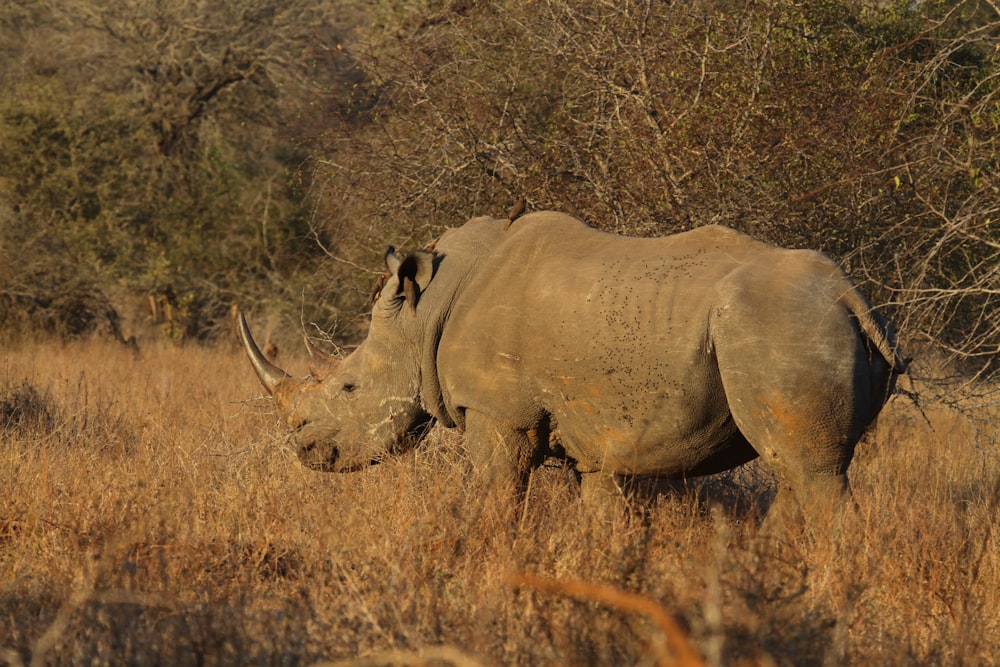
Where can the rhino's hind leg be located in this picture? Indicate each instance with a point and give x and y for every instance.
(803, 415)
(806, 435)
(810, 461)
(818, 502)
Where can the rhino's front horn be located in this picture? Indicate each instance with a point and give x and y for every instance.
(269, 374)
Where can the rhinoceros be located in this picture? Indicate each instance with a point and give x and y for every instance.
(670, 357)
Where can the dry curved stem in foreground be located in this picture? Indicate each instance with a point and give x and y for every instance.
(421, 656)
(683, 654)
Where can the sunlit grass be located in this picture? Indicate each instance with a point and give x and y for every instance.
(149, 514)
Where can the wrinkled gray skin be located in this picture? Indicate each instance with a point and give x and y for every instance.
(677, 356)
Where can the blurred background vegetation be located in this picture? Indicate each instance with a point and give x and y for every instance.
(164, 160)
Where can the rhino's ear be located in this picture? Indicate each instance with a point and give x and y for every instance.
(413, 275)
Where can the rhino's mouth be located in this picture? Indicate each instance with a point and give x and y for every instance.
(322, 456)
(315, 458)
(316, 451)
(331, 465)
(322, 452)
(311, 455)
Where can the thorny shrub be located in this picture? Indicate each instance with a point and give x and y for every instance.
(867, 131)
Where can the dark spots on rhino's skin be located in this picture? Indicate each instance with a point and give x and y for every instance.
(626, 417)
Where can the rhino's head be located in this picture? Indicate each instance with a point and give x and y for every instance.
(367, 405)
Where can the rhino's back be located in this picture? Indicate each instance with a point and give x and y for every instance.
(554, 289)
(608, 336)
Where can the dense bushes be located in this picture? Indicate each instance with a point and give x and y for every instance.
(866, 132)
(864, 129)
(153, 151)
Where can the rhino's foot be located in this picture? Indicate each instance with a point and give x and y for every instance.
(784, 519)
(603, 495)
(821, 506)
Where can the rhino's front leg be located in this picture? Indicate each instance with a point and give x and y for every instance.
(599, 487)
(602, 493)
(502, 456)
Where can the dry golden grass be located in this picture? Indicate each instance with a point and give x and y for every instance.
(149, 515)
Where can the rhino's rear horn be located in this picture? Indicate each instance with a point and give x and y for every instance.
(269, 374)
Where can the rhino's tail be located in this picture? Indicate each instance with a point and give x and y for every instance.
(876, 329)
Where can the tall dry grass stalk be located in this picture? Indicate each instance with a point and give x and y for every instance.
(149, 514)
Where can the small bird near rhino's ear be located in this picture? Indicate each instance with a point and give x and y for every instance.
(377, 290)
(516, 211)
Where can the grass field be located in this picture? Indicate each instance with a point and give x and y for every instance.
(150, 515)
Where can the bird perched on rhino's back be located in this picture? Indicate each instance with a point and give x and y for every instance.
(677, 356)
(516, 211)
